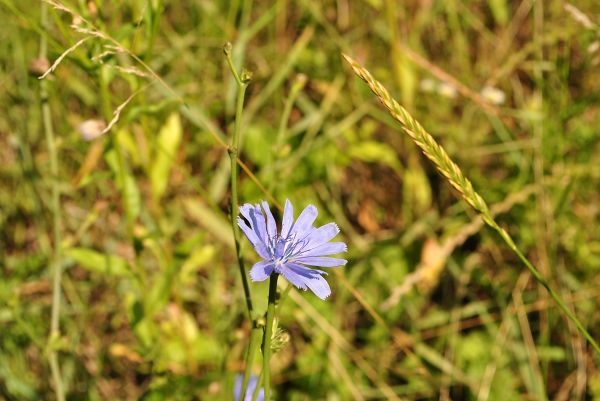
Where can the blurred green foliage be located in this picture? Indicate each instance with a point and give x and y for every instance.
(430, 306)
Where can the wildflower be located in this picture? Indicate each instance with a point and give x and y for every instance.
(494, 95)
(252, 383)
(447, 90)
(297, 245)
(91, 129)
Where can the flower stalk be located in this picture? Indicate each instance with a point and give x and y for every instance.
(252, 346)
(269, 334)
(242, 83)
(456, 178)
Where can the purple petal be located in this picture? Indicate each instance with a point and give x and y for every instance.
(320, 261)
(304, 223)
(305, 271)
(257, 220)
(329, 248)
(256, 242)
(319, 286)
(322, 235)
(237, 387)
(252, 383)
(250, 234)
(271, 225)
(261, 270)
(288, 219)
(312, 279)
(245, 210)
(293, 277)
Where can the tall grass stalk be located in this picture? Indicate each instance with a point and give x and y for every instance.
(196, 117)
(242, 83)
(56, 217)
(452, 172)
(258, 387)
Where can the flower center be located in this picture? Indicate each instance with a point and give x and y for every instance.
(284, 249)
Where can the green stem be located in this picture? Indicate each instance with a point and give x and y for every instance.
(455, 177)
(233, 155)
(257, 388)
(268, 334)
(155, 13)
(121, 177)
(56, 218)
(242, 83)
(297, 87)
(541, 280)
(252, 346)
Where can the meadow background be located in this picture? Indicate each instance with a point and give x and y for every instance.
(431, 306)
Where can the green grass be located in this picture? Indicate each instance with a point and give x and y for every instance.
(431, 305)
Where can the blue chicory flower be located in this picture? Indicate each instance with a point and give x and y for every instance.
(252, 383)
(298, 245)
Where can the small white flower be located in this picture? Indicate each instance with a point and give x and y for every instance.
(91, 129)
(447, 90)
(494, 95)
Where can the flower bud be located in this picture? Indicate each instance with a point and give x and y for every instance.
(227, 47)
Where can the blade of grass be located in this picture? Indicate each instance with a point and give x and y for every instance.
(242, 83)
(94, 31)
(455, 177)
(56, 219)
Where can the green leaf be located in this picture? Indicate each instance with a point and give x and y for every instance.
(98, 262)
(500, 11)
(132, 197)
(376, 152)
(167, 143)
(126, 183)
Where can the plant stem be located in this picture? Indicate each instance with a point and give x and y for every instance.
(257, 388)
(297, 87)
(107, 113)
(252, 346)
(56, 217)
(452, 172)
(268, 334)
(155, 13)
(233, 155)
(541, 280)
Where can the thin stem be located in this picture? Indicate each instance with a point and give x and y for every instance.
(258, 387)
(107, 113)
(297, 87)
(268, 334)
(455, 177)
(541, 280)
(227, 50)
(121, 177)
(252, 346)
(233, 155)
(155, 13)
(56, 217)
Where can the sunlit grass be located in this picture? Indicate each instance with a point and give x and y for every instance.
(430, 305)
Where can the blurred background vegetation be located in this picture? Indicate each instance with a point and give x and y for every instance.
(430, 306)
